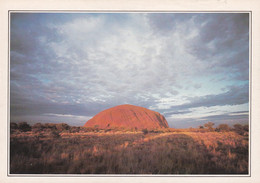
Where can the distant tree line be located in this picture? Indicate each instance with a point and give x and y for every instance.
(238, 128)
(56, 129)
(40, 127)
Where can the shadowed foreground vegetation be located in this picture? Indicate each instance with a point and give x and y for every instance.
(61, 149)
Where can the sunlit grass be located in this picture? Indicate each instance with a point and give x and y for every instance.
(129, 152)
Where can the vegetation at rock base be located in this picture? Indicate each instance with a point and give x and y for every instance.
(63, 149)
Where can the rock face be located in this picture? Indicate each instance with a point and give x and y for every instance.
(129, 117)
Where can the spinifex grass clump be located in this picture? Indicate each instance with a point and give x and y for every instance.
(128, 152)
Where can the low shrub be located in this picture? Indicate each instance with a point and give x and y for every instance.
(61, 127)
(38, 127)
(24, 127)
(145, 131)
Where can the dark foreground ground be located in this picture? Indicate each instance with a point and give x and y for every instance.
(143, 152)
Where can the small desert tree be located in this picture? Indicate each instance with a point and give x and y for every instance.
(24, 127)
(246, 128)
(201, 128)
(13, 125)
(240, 129)
(61, 127)
(209, 126)
(223, 128)
(50, 126)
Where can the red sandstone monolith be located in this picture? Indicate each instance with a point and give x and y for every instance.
(128, 117)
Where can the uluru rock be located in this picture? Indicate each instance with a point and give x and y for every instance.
(129, 117)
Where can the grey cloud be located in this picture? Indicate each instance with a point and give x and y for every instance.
(225, 25)
(222, 43)
(78, 73)
(164, 23)
(229, 38)
(177, 112)
(26, 30)
(226, 117)
(197, 86)
(234, 96)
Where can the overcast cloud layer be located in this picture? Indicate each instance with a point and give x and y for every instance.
(192, 68)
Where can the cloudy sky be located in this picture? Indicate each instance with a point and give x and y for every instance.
(190, 67)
